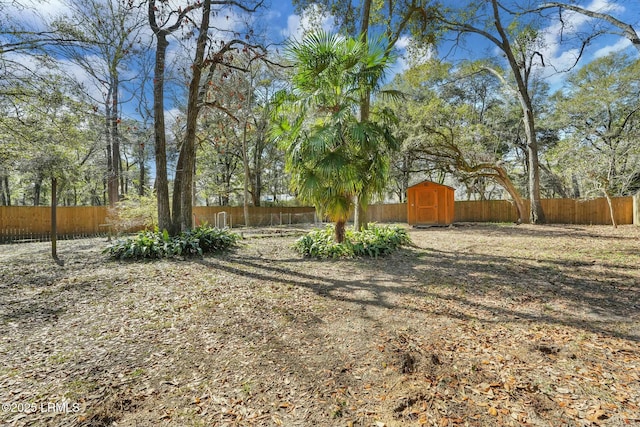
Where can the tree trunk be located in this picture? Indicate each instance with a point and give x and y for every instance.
(112, 180)
(611, 210)
(340, 231)
(7, 189)
(360, 211)
(536, 214)
(178, 189)
(115, 139)
(256, 194)
(406, 166)
(506, 182)
(142, 171)
(357, 213)
(183, 184)
(54, 219)
(160, 139)
(5, 192)
(245, 163)
(257, 170)
(37, 189)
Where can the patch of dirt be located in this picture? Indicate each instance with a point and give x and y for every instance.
(475, 325)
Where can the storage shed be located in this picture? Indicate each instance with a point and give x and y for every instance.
(429, 203)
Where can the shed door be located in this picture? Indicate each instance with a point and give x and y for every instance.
(427, 206)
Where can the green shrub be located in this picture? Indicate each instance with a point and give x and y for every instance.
(155, 244)
(321, 244)
(213, 239)
(375, 241)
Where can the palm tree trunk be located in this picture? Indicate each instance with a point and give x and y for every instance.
(340, 231)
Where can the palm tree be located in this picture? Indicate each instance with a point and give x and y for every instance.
(331, 155)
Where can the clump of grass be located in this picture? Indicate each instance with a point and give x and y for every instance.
(154, 244)
(372, 242)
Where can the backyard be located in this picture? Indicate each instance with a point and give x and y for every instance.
(473, 325)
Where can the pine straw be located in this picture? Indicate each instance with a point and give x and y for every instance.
(476, 325)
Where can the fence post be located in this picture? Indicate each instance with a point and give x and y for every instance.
(54, 225)
(636, 209)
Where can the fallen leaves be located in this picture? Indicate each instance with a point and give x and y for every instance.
(440, 336)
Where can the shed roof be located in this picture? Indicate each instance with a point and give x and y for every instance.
(430, 182)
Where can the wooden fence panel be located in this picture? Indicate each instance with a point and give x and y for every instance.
(396, 212)
(587, 212)
(34, 222)
(596, 211)
(559, 211)
(485, 211)
(81, 220)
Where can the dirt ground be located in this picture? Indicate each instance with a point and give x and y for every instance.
(476, 325)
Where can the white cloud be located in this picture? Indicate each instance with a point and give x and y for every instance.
(605, 6)
(559, 55)
(171, 116)
(403, 42)
(50, 8)
(34, 15)
(622, 44)
(312, 18)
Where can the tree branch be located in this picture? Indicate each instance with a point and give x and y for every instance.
(627, 29)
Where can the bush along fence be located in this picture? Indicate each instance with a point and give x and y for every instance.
(27, 223)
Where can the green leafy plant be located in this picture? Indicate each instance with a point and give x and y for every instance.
(211, 239)
(155, 244)
(373, 242)
(134, 212)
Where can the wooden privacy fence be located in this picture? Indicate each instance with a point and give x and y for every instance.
(557, 211)
(34, 223)
(18, 223)
(396, 212)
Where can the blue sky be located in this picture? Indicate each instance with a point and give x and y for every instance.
(281, 22)
(558, 55)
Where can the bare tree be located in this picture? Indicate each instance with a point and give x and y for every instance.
(165, 21)
(521, 59)
(110, 32)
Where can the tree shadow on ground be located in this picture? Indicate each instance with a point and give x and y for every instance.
(478, 286)
(552, 231)
(37, 290)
